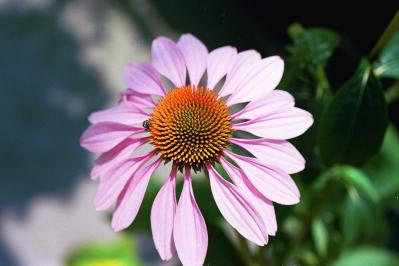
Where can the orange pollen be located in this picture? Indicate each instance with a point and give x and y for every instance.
(190, 126)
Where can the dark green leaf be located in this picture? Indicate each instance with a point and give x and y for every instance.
(388, 62)
(353, 124)
(365, 256)
(311, 47)
(121, 253)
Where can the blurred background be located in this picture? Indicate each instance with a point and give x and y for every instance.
(61, 60)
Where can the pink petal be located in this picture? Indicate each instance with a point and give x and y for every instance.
(274, 184)
(263, 77)
(112, 183)
(195, 55)
(236, 209)
(219, 62)
(139, 100)
(129, 201)
(120, 152)
(263, 205)
(189, 230)
(125, 113)
(283, 124)
(162, 217)
(168, 60)
(279, 153)
(104, 136)
(143, 78)
(240, 69)
(268, 104)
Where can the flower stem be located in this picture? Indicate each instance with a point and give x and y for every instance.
(244, 250)
(261, 255)
(386, 36)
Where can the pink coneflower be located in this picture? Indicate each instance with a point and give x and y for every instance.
(192, 125)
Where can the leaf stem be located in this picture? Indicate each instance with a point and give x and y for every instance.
(323, 86)
(386, 36)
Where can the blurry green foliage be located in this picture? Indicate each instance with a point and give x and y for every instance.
(120, 253)
(383, 169)
(359, 180)
(367, 256)
(320, 236)
(357, 217)
(353, 124)
(387, 65)
(311, 47)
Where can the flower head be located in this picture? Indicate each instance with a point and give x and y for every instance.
(192, 125)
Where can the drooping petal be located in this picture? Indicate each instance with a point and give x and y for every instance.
(263, 205)
(278, 153)
(242, 66)
(139, 100)
(143, 78)
(125, 113)
(195, 55)
(120, 152)
(102, 137)
(189, 230)
(274, 184)
(263, 77)
(129, 201)
(266, 209)
(168, 60)
(219, 62)
(113, 182)
(236, 209)
(162, 217)
(283, 124)
(268, 104)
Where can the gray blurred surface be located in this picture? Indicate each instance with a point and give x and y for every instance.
(60, 60)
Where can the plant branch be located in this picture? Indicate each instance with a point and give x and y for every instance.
(386, 36)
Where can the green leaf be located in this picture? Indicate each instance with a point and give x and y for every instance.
(353, 124)
(367, 256)
(357, 178)
(320, 236)
(121, 253)
(384, 168)
(311, 47)
(352, 218)
(387, 64)
(361, 219)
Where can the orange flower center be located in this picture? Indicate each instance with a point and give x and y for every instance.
(190, 126)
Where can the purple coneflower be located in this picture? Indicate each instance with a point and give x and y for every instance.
(192, 125)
